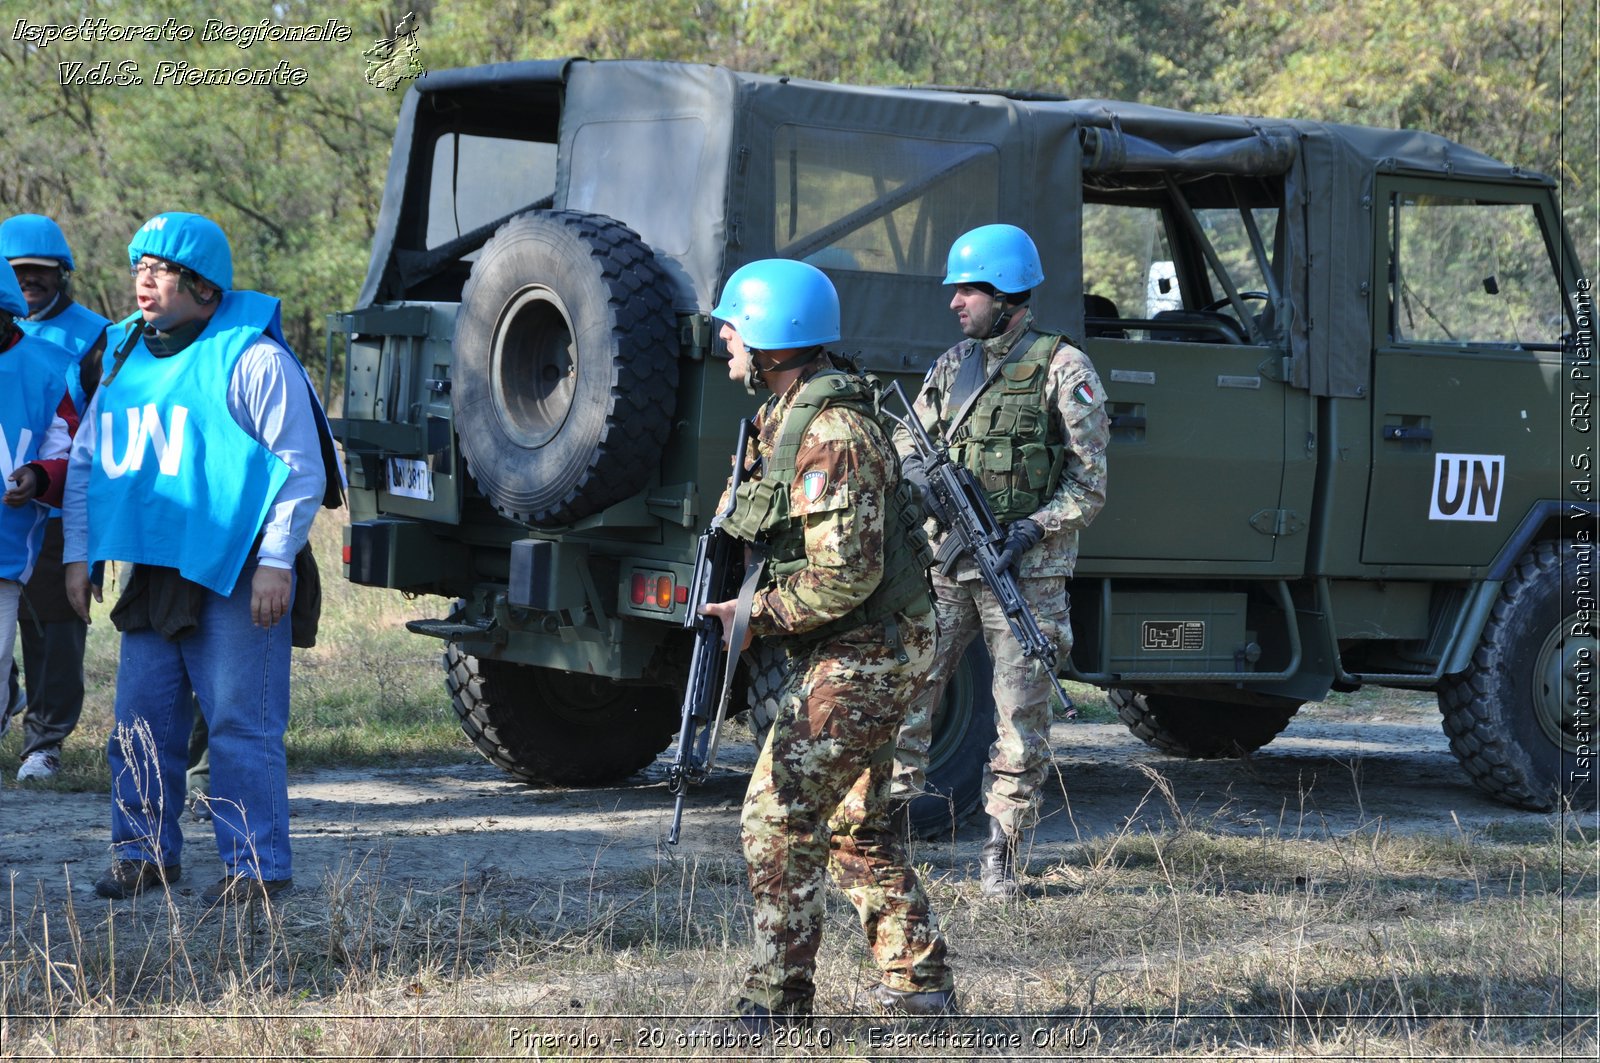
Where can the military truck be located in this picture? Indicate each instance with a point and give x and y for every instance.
(1348, 372)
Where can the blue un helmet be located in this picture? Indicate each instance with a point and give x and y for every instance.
(778, 303)
(1001, 256)
(11, 300)
(34, 240)
(192, 241)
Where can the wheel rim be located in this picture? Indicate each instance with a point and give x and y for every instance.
(1559, 691)
(584, 700)
(535, 367)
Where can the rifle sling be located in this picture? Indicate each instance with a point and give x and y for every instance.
(755, 567)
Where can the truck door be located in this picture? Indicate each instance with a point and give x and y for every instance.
(1200, 411)
(1467, 395)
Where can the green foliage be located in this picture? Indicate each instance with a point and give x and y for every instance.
(295, 173)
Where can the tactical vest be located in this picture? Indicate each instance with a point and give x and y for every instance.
(175, 481)
(761, 511)
(1009, 440)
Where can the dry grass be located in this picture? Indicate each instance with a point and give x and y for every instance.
(1196, 942)
(1222, 937)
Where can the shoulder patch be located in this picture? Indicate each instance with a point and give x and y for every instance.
(814, 483)
(1085, 394)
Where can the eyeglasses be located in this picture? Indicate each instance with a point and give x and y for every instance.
(157, 268)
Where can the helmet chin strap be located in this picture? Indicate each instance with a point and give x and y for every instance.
(755, 374)
(1002, 315)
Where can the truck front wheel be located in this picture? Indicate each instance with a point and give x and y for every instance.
(1200, 729)
(557, 728)
(1521, 717)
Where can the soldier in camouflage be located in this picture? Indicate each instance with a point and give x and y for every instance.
(1024, 411)
(845, 594)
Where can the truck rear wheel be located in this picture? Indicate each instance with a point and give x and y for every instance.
(1200, 729)
(566, 366)
(1521, 717)
(557, 728)
(963, 731)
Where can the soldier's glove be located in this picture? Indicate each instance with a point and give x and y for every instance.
(915, 473)
(1022, 536)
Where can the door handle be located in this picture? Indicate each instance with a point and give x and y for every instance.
(1408, 431)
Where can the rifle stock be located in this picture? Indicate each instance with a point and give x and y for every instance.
(718, 561)
(961, 506)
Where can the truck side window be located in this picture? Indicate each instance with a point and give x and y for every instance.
(847, 199)
(1128, 259)
(1168, 254)
(476, 179)
(1471, 271)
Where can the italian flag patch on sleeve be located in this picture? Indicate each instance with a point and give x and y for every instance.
(1085, 395)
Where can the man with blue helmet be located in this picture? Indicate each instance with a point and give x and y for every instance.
(42, 260)
(1024, 410)
(36, 420)
(844, 593)
(52, 634)
(201, 463)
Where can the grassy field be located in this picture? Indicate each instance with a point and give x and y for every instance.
(1197, 941)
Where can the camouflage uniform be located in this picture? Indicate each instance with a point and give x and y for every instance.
(1021, 752)
(818, 795)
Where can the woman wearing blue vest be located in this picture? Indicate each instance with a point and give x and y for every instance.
(200, 464)
(34, 433)
(52, 635)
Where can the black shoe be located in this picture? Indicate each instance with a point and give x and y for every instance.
(910, 1002)
(242, 889)
(750, 1026)
(997, 863)
(128, 878)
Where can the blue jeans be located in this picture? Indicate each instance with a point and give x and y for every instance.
(240, 675)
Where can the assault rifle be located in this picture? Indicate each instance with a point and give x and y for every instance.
(958, 503)
(717, 566)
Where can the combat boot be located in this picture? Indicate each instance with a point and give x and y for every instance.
(997, 863)
(914, 1002)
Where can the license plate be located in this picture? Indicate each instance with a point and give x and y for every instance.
(410, 478)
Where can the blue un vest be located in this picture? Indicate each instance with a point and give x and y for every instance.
(75, 329)
(31, 386)
(174, 480)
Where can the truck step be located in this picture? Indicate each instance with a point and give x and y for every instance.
(451, 631)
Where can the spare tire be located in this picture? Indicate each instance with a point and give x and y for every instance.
(566, 366)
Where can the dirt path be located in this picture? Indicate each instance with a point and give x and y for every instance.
(432, 827)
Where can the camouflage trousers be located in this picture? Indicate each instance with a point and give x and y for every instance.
(1020, 756)
(817, 803)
